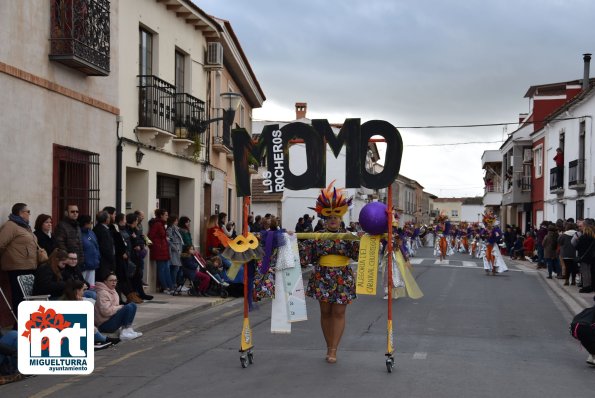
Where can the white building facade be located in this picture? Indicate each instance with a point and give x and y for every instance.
(576, 196)
(59, 106)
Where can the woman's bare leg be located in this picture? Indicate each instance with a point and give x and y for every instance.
(326, 323)
(337, 328)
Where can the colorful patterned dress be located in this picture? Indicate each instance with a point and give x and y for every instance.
(335, 285)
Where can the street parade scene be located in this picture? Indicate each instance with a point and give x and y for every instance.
(174, 223)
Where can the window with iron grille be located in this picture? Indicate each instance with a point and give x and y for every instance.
(75, 181)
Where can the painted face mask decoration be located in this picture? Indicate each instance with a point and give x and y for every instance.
(242, 243)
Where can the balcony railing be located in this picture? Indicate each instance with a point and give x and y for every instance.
(80, 35)
(576, 173)
(493, 188)
(157, 103)
(557, 178)
(525, 183)
(189, 115)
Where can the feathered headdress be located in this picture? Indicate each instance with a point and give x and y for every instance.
(332, 202)
(441, 218)
(489, 219)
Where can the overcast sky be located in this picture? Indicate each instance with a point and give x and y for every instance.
(413, 63)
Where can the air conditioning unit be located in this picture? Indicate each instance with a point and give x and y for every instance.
(527, 155)
(214, 54)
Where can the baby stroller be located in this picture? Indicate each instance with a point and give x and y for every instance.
(216, 287)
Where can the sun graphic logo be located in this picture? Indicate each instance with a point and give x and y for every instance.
(56, 337)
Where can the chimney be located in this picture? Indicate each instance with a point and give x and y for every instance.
(587, 59)
(300, 110)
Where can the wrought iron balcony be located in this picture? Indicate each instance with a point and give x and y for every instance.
(80, 35)
(525, 183)
(156, 103)
(222, 141)
(222, 144)
(557, 179)
(576, 174)
(189, 116)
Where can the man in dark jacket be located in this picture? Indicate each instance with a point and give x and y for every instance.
(541, 233)
(105, 240)
(68, 234)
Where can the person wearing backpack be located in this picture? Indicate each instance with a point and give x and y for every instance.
(568, 253)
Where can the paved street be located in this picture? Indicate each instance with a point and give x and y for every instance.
(472, 335)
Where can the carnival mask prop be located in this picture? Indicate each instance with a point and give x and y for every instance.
(242, 243)
(332, 202)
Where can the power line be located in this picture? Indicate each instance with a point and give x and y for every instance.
(449, 126)
(458, 143)
(490, 124)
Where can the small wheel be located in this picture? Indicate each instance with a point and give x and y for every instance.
(250, 357)
(390, 363)
(224, 293)
(244, 361)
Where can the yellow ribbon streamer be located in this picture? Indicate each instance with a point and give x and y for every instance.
(232, 271)
(412, 289)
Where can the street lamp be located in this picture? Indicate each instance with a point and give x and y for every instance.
(139, 155)
(230, 102)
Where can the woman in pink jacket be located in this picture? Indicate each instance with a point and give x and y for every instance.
(109, 314)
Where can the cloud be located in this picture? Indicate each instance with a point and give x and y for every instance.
(412, 64)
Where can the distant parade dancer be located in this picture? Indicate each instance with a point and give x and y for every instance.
(428, 236)
(442, 247)
(493, 262)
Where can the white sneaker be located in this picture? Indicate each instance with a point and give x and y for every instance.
(184, 289)
(138, 334)
(591, 360)
(128, 334)
(224, 284)
(385, 297)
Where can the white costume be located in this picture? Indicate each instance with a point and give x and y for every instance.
(499, 263)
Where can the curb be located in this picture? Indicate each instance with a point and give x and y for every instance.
(180, 314)
(572, 300)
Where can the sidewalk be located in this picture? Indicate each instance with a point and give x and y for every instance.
(569, 295)
(164, 308)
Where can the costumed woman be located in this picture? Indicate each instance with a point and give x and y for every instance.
(332, 282)
(441, 246)
(492, 260)
(428, 236)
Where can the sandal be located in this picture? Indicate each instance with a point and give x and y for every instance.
(332, 356)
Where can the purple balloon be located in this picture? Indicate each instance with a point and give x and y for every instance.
(373, 218)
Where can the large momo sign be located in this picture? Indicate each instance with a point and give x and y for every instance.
(274, 143)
